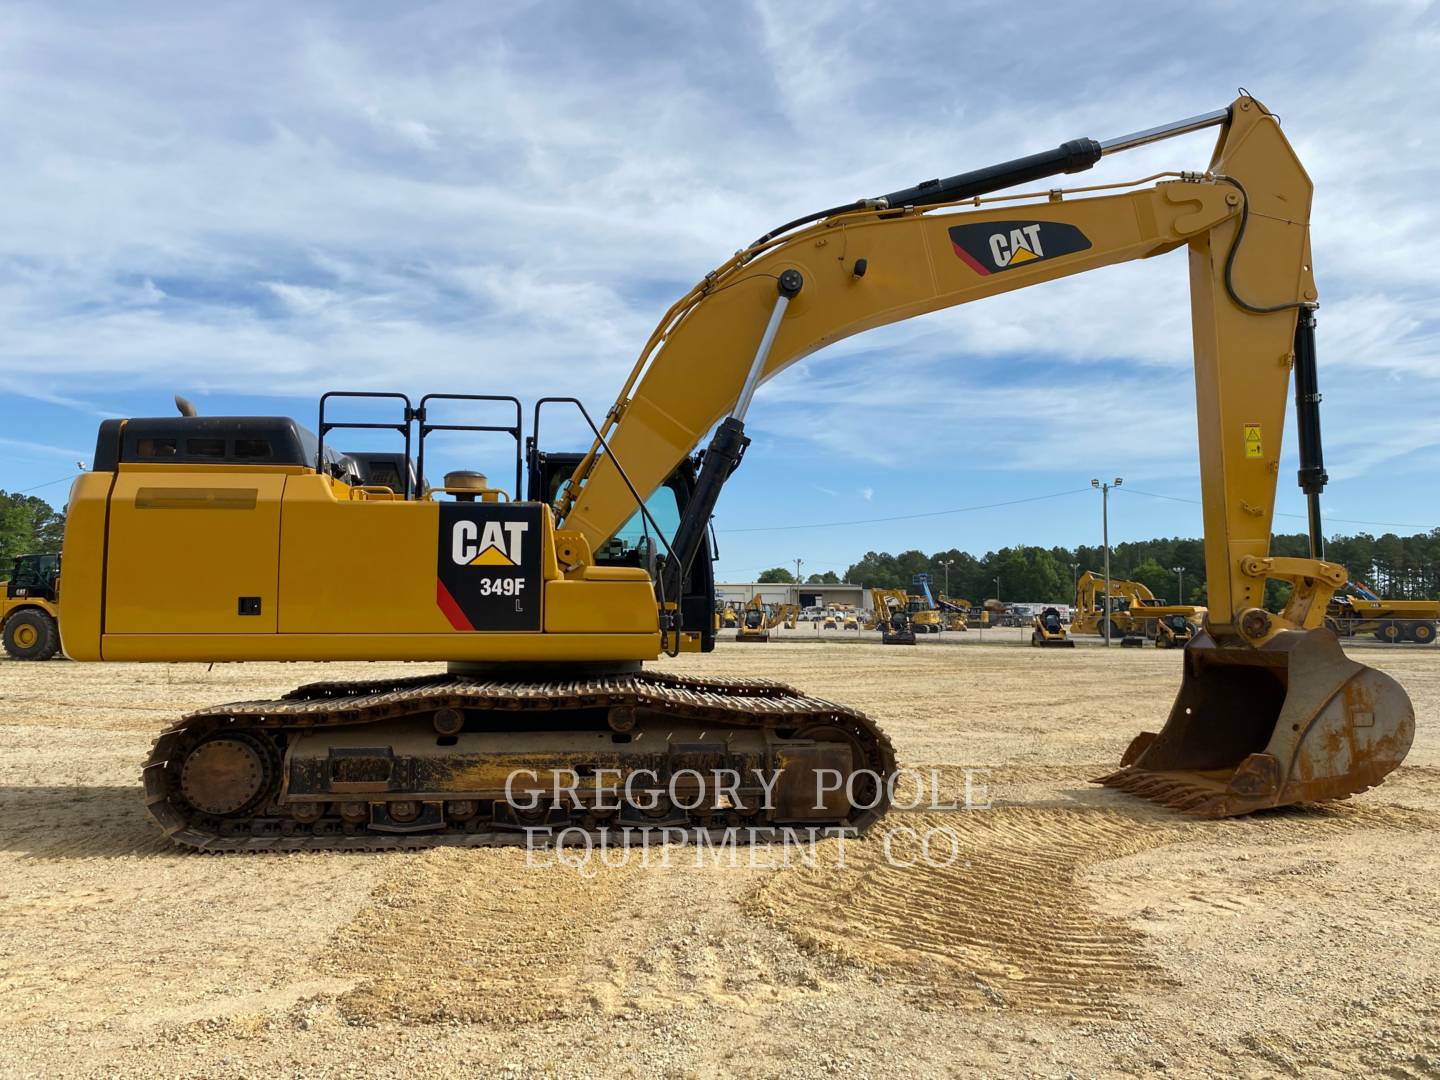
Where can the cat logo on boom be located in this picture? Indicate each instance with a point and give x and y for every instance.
(992, 246)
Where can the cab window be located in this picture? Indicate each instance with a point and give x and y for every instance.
(664, 509)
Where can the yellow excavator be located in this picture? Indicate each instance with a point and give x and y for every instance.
(249, 538)
(1131, 609)
(925, 614)
(786, 615)
(891, 608)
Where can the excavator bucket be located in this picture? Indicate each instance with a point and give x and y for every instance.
(1295, 721)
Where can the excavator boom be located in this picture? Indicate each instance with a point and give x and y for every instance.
(1244, 222)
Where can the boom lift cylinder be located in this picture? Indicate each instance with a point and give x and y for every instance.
(727, 447)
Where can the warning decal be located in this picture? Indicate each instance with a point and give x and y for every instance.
(1254, 445)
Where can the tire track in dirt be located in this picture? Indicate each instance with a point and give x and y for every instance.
(1012, 922)
(480, 936)
(470, 936)
(485, 936)
(1008, 923)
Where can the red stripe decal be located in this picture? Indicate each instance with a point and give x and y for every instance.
(970, 260)
(450, 607)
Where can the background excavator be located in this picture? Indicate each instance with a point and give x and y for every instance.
(786, 615)
(246, 538)
(1131, 609)
(891, 609)
(925, 614)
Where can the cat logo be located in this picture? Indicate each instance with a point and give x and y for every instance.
(496, 543)
(1021, 245)
(990, 247)
(488, 566)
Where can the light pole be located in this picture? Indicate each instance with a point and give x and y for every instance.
(1105, 539)
(997, 588)
(947, 563)
(1074, 578)
(1181, 586)
(797, 579)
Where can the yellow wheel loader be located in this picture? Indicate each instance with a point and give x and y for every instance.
(30, 608)
(249, 538)
(1048, 631)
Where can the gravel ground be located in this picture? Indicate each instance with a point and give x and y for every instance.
(1075, 932)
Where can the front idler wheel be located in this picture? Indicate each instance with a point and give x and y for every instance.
(229, 774)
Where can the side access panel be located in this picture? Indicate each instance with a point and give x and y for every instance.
(193, 552)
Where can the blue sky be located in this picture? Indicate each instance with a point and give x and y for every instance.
(250, 204)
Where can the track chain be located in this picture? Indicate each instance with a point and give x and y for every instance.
(732, 703)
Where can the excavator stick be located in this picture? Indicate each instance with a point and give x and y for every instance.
(1293, 721)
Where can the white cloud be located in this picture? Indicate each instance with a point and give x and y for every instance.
(43, 448)
(505, 199)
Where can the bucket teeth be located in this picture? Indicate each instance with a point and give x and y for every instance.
(1190, 802)
(1171, 791)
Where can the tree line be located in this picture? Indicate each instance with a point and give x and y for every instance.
(28, 526)
(1397, 567)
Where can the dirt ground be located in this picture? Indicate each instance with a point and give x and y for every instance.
(1078, 931)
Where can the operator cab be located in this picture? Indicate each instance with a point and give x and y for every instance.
(34, 577)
